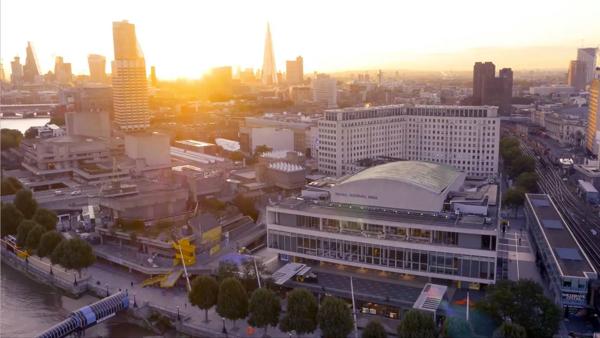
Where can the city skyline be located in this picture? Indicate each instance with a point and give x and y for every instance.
(439, 42)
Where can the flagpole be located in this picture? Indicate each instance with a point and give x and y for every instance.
(354, 308)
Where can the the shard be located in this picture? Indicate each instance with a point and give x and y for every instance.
(269, 73)
(31, 70)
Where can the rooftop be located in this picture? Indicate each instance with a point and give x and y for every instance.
(426, 175)
(566, 251)
(194, 143)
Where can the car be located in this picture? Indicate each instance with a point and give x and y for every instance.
(58, 192)
(76, 192)
(594, 232)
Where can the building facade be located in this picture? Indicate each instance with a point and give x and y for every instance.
(130, 86)
(465, 137)
(325, 90)
(591, 137)
(97, 64)
(589, 58)
(294, 71)
(490, 90)
(576, 77)
(355, 227)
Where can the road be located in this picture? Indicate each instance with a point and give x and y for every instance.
(579, 217)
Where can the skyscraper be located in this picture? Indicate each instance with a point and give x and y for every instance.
(577, 77)
(325, 90)
(593, 123)
(481, 73)
(130, 86)
(97, 64)
(16, 71)
(2, 74)
(153, 78)
(31, 70)
(489, 90)
(294, 71)
(62, 70)
(589, 56)
(269, 73)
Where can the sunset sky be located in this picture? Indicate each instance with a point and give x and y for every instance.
(186, 38)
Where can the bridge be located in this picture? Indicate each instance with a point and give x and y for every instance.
(88, 316)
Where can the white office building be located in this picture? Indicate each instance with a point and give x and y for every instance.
(398, 217)
(465, 137)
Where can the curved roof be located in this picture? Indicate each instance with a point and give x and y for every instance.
(426, 175)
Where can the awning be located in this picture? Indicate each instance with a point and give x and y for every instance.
(287, 271)
(430, 298)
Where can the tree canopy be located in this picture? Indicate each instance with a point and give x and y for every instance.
(335, 318)
(264, 309)
(204, 293)
(374, 329)
(416, 324)
(301, 312)
(246, 206)
(10, 138)
(232, 301)
(227, 269)
(46, 218)
(524, 304)
(25, 202)
(527, 181)
(10, 186)
(23, 230)
(513, 198)
(509, 330)
(10, 217)
(74, 254)
(33, 237)
(48, 243)
(455, 327)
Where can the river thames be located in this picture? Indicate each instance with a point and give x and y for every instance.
(23, 124)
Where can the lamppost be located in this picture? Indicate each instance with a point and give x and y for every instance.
(134, 303)
(224, 328)
(178, 316)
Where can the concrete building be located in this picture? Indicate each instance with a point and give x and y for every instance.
(552, 90)
(50, 130)
(300, 94)
(88, 124)
(62, 71)
(390, 218)
(325, 90)
(294, 71)
(197, 146)
(564, 264)
(567, 130)
(153, 149)
(589, 58)
(202, 182)
(465, 137)
(16, 75)
(593, 121)
(130, 86)
(577, 76)
(97, 65)
(274, 138)
(304, 127)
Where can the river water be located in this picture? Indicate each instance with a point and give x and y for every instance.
(28, 307)
(23, 124)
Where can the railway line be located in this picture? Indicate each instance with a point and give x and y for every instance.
(580, 220)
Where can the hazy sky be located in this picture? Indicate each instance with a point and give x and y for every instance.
(186, 38)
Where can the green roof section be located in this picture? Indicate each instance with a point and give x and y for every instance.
(434, 177)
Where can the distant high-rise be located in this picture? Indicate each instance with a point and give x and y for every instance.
(16, 69)
(62, 70)
(269, 73)
(153, 78)
(589, 56)
(130, 85)
(481, 72)
(489, 90)
(294, 71)
(31, 70)
(2, 74)
(325, 90)
(97, 64)
(593, 123)
(576, 77)
(220, 83)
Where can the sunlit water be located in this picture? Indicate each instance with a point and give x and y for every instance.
(23, 124)
(28, 307)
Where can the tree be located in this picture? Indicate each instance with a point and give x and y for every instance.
(374, 330)
(33, 238)
(59, 251)
(227, 269)
(25, 202)
(232, 301)
(10, 138)
(204, 293)
(46, 218)
(10, 186)
(236, 156)
(514, 198)
(48, 243)
(246, 206)
(262, 149)
(11, 217)
(31, 133)
(335, 319)
(455, 327)
(522, 303)
(23, 230)
(508, 330)
(527, 181)
(248, 271)
(301, 312)
(521, 164)
(264, 309)
(76, 254)
(416, 324)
